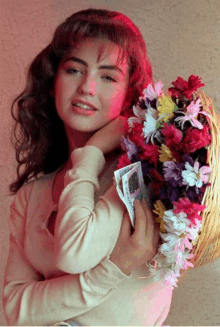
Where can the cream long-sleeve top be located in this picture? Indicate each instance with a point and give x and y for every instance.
(54, 278)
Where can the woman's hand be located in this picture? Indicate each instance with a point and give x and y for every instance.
(134, 249)
(109, 137)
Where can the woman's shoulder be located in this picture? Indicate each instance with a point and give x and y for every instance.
(35, 184)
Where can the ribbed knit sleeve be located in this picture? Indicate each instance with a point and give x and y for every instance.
(85, 232)
(30, 300)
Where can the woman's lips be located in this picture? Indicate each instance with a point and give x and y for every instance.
(82, 103)
(81, 111)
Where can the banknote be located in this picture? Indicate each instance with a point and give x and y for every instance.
(118, 179)
(130, 186)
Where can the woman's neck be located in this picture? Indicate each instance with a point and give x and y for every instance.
(78, 139)
(109, 157)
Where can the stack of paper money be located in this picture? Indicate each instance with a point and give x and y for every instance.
(130, 186)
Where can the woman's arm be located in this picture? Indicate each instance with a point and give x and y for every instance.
(28, 299)
(86, 233)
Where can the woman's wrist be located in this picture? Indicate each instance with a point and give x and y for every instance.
(124, 267)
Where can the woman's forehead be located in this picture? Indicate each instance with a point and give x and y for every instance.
(104, 49)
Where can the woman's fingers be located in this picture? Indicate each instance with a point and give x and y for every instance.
(149, 215)
(140, 220)
(144, 222)
(108, 137)
(146, 232)
(136, 248)
(155, 226)
(125, 227)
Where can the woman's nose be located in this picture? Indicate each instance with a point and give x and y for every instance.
(88, 86)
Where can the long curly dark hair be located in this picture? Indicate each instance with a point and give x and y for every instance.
(39, 146)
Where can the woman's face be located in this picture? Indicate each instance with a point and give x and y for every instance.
(98, 86)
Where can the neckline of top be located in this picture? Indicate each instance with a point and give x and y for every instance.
(111, 161)
(52, 184)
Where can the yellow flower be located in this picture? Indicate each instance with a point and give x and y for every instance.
(165, 154)
(159, 210)
(166, 108)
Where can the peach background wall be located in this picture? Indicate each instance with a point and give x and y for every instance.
(182, 37)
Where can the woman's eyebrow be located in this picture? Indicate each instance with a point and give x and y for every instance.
(112, 67)
(75, 59)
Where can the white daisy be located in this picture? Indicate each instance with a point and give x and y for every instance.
(176, 223)
(193, 176)
(150, 128)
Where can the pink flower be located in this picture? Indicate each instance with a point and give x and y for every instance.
(191, 113)
(171, 278)
(185, 88)
(186, 242)
(204, 173)
(191, 209)
(153, 92)
(187, 263)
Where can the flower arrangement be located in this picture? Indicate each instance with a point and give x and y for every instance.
(171, 135)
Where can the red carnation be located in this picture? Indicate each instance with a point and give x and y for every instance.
(150, 152)
(123, 161)
(172, 135)
(196, 139)
(158, 181)
(185, 88)
(136, 135)
(156, 176)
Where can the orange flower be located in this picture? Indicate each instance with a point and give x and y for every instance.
(159, 210)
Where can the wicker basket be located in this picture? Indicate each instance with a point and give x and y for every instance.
(207, 246)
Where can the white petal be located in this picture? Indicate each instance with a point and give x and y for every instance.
(196, 166)
(140, 113)
(149, 92)
(188, 166)
(133, 120)
(196, 123)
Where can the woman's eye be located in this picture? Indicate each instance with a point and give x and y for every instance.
(73, 71)
(109, 79)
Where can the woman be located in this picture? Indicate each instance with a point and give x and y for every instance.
(73, 253)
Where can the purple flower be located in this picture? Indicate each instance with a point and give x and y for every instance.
(169, 193)
(173, 173)
(194, 193)
(145, 168)
(188, 159)
(129, 147)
